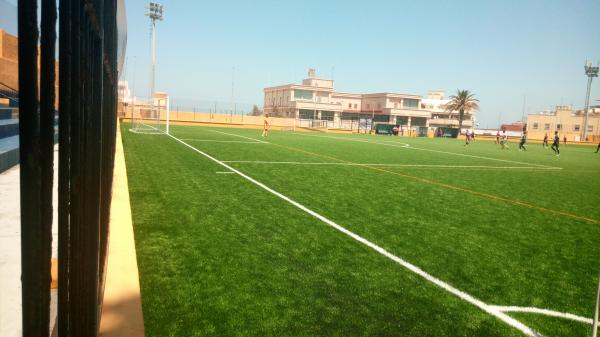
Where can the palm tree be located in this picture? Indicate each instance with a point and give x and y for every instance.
(463, 101)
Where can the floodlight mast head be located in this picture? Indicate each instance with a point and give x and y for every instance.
(590, 72)
(154, 11)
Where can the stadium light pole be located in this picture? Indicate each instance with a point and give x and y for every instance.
(590, 72)
(155, 12)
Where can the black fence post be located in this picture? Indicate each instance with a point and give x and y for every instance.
(35, 227)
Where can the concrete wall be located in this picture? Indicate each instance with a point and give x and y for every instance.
(9, 63)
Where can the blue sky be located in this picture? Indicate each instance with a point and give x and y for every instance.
(503, 51)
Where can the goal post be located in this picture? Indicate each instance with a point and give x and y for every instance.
(150, 116)
(595, 322)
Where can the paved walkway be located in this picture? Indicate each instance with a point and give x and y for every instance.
(10, 248)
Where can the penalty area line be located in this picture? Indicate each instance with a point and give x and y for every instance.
(456, 292)
(389, 165)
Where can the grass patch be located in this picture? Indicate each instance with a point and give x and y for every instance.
(219, 256)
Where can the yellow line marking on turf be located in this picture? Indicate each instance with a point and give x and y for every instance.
(411, 267)
(410, 147)
(456, 188)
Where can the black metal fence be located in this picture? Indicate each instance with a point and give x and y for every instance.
(87, 128)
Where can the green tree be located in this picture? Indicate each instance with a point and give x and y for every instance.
(463, 101)
(256, 111)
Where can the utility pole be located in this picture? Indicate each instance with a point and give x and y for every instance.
(231, 107)
(590, 72)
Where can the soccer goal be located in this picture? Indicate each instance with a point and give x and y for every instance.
(150, 116)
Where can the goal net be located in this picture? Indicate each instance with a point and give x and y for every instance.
(149, 116)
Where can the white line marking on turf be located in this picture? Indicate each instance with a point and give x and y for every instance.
(389, 165)
(460, 294)
(544, 312)
(225, 172)
(233, 134)
(408, 146)
(221, 141)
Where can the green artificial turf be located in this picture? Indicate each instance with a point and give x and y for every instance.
(219, 256)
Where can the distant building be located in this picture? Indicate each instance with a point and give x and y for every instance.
(436, 104)
(566, 121)
(315, 99)
(515, 127)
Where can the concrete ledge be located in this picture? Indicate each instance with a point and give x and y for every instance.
(122, 308)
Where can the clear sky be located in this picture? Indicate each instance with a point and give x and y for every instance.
(503, 51)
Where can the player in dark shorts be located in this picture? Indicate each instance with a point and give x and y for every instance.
(523, 140)
(556, 143)
(564, 140)
(545, 143)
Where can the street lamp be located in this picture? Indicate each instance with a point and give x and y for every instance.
(590, 72)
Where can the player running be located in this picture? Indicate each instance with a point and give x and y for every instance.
(504, 141)
(266, 126)
(523, 140)
(467, 138)
(598, 148)
(545, 143)
(556, 143)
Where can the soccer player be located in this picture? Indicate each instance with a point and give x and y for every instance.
(564, 140)
(545, 143)
(555, 144)
(598, 148)
(504, 141)
(266, 126)
(498, 137)
(467, 138)
(523, 140)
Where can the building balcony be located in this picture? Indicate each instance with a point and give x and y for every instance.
(310, 105)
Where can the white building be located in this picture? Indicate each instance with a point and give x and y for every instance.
(315, 99)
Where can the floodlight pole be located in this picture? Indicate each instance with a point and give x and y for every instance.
(155, 12)
(590, 72)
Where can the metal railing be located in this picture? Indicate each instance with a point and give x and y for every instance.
(9, 93)
(87, 132)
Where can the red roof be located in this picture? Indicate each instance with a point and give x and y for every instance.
(512, 127)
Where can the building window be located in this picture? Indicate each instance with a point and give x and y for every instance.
(546, 126)
(395, 105)
(303, 94)
(535, 126)
(590, 128)
(411, 103)
(355, 106)
(327, 115)
(349, 105)
(576, 127)
(558, 127)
